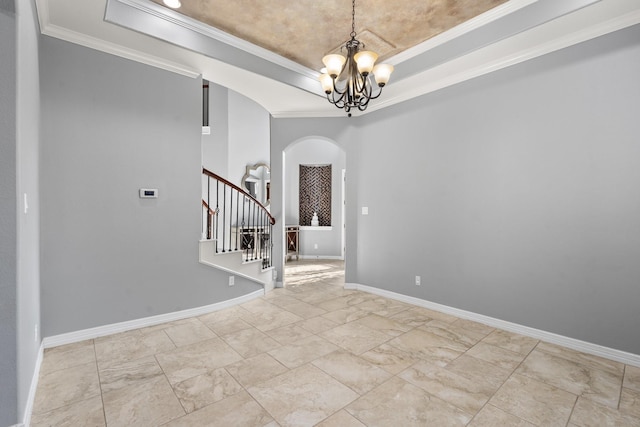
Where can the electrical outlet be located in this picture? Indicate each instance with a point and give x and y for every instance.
(315, 246)
(232, 280)
(417, 280)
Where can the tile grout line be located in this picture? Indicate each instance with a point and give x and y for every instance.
(573, 408)
(624, 373)
(95, 355)
(507, 379)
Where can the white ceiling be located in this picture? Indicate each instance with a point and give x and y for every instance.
(508, 34)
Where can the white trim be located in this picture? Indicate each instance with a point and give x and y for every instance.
(191, 24)
(538, 50)
(449, 78)
(42, 7)
(49, 29)
(575, 344)
(115, 328)
(590, 21)
(321, 257)
(117, 50)
(461, 29)
(343, 213)
(316, 228)
(26, 420)
(266, 283)
(208, 31)
(352, 286)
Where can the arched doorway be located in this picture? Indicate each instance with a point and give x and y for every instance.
(313, 166)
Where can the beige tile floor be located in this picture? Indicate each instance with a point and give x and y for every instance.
(316, 354)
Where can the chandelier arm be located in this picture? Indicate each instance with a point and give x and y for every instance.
(364, 102)
(378, 95)
(333, 98)
(338, 91)
(360, 88)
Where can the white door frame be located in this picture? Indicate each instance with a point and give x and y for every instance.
(343, 242)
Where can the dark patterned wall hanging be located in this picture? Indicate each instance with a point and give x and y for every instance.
(315, 194)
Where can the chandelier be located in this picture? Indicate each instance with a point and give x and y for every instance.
(349, 82)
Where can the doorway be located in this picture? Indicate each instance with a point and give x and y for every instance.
(321, 244)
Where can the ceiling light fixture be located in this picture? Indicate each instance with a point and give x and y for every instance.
(173, 4)
(348, 82)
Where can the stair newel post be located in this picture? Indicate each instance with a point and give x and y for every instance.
(217, 213)
(247, 230)
(262, 236)
(231, 190)
(205, 224)
(265, 237)
(237, 216)
(244, 204)
(255, 232)
(224, 214)
(259, 235)
(208, 208)
(254, 256)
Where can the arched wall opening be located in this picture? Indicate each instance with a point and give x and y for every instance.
(314, 242)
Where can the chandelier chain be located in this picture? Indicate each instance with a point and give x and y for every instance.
(353, 19)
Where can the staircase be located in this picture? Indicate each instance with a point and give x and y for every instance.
(236, 231)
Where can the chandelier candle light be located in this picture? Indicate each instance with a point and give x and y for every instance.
(348, 82)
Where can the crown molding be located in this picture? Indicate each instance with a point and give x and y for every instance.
(191, 24)
(459, 30)
(596, 19)
(441, 77)
(49, 29)
(450, 77)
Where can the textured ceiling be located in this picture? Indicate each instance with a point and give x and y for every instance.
(304, 31)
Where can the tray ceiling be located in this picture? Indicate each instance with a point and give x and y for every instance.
(271, 51)
(305, 31)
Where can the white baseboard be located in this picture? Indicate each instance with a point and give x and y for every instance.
(321, 257)
(550, 337)
(115, 328)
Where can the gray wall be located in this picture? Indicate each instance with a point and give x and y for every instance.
(28, 139)
(8, 220)
(215, 147)
(514, 195)
(239, 134)
(110, 127)
(248, 135)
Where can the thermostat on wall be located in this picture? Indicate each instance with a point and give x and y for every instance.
(148, 193)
